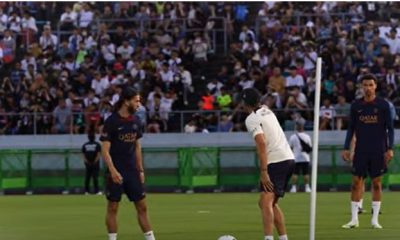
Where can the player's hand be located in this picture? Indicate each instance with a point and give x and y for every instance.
(142, 177)
(388, 155)
(346, 155)
(116, 177)
(266, 183)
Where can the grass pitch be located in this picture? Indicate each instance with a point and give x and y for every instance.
(189, 217)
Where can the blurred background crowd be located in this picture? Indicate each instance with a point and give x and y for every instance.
(63, 65)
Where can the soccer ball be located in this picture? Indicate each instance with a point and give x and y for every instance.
(227, 237)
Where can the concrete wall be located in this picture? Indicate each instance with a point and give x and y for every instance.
(167, 140)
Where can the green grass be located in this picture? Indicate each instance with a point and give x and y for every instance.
(188, 217)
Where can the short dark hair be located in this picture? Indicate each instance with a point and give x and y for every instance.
(128, 93)
(369, 76)
(251, 97)
(91, 136)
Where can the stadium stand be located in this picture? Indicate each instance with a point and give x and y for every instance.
(62, 70)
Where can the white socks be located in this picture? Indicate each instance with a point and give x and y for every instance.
(283, 237)
(354, 211)
(376, 207)
(112, 236)
(149, 235)
(360, 203)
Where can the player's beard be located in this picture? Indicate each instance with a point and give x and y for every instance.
(369, 94)
(131, 109)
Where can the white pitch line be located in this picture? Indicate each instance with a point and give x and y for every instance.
(203, 211)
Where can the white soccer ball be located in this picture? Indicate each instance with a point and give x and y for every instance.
(227, 237)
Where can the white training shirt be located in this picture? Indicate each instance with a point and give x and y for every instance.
(295, 144)
(264, 121)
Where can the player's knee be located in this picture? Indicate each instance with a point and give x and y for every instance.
(112, 208)
(141, 208)
(356, 186)
(376, 185)
(266, 203)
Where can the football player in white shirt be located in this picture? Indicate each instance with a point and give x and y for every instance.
(302, 157)
(276, 161)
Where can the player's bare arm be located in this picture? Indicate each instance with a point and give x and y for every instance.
(348, 154)
(388, 155)
(390, 130)
(97, 158)
(350, 136)
(105, 150)
(139, 160)
(262, 155)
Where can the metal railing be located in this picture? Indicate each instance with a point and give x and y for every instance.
(141, 25)
(171, 121)
(299, 19)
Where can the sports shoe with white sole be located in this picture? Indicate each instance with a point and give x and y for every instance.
(376, 226)
(350, 225)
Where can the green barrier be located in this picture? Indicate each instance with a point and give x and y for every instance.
(191, 167)
(198, 167)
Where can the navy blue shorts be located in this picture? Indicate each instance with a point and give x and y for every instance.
(369, 164)
(302, 167)
(131, 186)
(280, 174)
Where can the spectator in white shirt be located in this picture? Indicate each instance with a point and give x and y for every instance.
(174, 61)
(14, 22)
(327, 114)
(99, 84)
(294, 79)
(68, 18)
(48, 39)
(85, 16)
(245, 81)
(150, 97)
(70, 63)
(166, 75)
(199, 50)
(250, 45)
(28, 22)
(125, 50)
(215, 87)
(89, 41)
(90, 99)
(108, 51)
(245, 33)
(186, 75)
(75, 40)
(3, 20)
(310, 58)
(391, 77)
(264, 11)
(296, 100)
(28, 59)
(393, 41)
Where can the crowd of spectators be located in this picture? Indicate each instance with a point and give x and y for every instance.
(63, 65)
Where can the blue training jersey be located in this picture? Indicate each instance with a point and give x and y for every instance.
(372, 125)
(122, 133)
